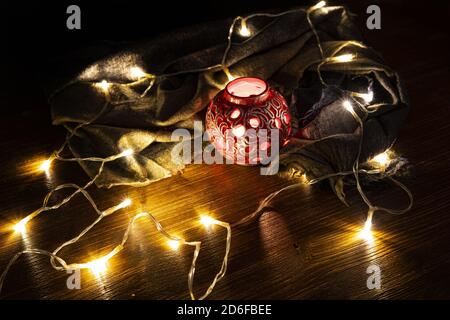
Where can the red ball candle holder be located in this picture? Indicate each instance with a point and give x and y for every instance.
(237, 114)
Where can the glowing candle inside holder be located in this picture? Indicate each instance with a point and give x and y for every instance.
(243, 119)
(246, 87)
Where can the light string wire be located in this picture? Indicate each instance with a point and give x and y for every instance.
(355, 169)
(60, 264)
(100, 263)
(372, 208)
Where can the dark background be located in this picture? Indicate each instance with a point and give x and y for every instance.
(304, 250)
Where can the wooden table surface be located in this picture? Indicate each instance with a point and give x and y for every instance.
(307, 248)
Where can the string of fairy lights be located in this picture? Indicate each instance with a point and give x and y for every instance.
(360, 100)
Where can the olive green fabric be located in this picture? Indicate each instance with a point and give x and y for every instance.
(283, 51)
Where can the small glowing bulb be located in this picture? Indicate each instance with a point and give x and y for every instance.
(125, 203)
(137, 73)
(45, 166)
(173, 244)
(368, 97)
(127, 152)
(348, 106)
(20, 227)
(98, 266)
(382, 159)
(229, 75)
(104, 85)
(366, 232)
(244, 30)
(207, 221)
(344, 58)
(319, 5)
